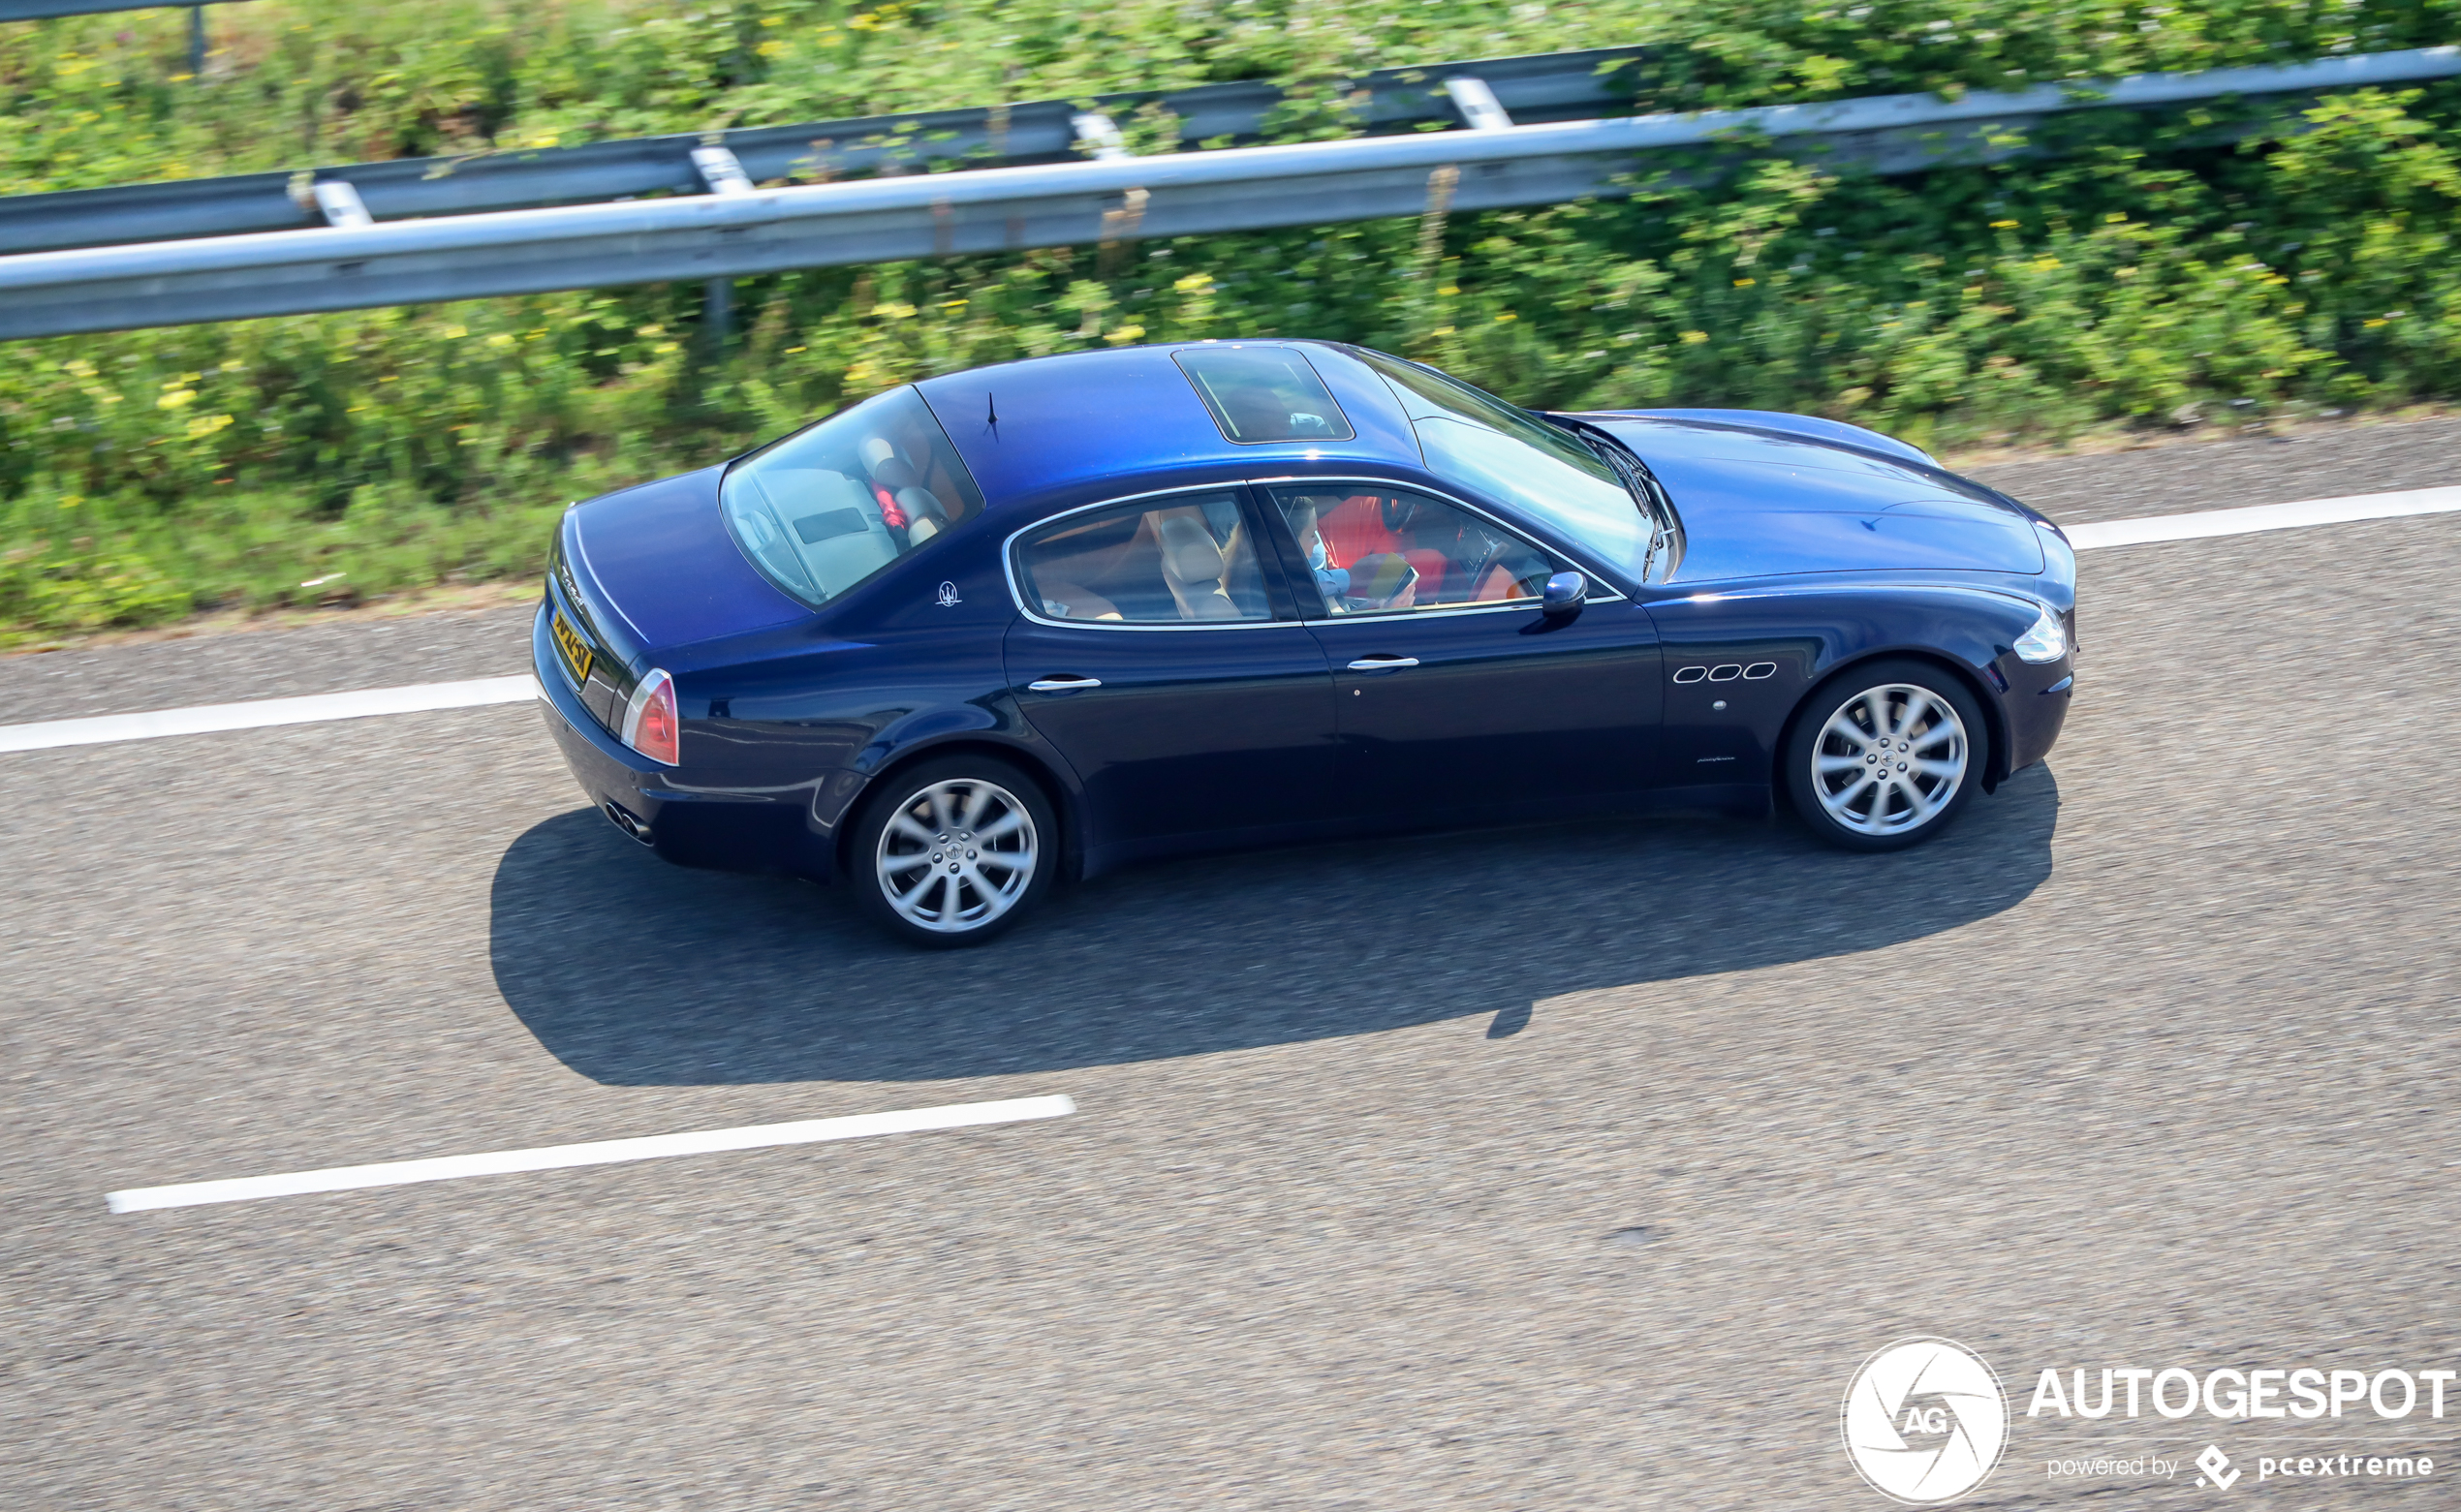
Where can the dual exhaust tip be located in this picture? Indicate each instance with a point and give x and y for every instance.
(628, 822)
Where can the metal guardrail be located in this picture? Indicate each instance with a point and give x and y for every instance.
(747, 230)
(45, 10)
(1543, 87)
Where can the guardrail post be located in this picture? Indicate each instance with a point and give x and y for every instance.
(196, 42)
(724, 174)
(1098, 137)
(1477, 105)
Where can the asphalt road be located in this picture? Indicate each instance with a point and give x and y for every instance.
(1556, 1169)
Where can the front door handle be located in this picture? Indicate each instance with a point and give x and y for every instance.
(1063, 682)
(1382, 664)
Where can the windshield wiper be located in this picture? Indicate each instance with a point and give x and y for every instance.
(1648, 494)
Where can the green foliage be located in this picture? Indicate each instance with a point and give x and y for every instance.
(2223, 255)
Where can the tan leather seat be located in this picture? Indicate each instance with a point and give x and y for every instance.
(1192, 564)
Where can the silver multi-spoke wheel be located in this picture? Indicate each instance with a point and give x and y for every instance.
(956, 856)
(1890, 760)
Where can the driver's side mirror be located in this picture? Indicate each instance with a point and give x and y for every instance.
(1565, 592)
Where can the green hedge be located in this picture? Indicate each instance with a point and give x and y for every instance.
(2149, 265)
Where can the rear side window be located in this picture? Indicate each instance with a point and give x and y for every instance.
(1264, 393)
(834, 504)
(1182, 559)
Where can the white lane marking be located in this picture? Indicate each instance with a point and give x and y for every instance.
(483, 690)
(200, 718)
(606, 1151)
(2263, 516)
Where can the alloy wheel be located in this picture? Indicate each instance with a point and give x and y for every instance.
(957, 855)
(1890, 760)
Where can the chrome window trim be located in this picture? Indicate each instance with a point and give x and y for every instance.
(1613, 594)
(1017, 589)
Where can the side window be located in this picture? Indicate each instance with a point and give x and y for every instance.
(1175, 560)
(1384, 551)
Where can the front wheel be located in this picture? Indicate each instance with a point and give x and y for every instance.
(1886, 754)
(952, 851)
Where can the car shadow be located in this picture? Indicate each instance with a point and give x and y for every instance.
(634, 972)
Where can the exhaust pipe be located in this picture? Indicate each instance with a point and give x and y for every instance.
(628, 822)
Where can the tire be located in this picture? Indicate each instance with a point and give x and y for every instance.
(1935, 759)
(978, 847)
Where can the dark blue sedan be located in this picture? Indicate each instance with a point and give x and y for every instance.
(1033, 621)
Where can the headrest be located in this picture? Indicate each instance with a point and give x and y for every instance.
(893, 473)
(1188, 550)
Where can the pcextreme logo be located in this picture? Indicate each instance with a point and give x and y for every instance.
(1925, 1421)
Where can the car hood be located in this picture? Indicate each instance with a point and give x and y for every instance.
(660, 558)
(1758, 503)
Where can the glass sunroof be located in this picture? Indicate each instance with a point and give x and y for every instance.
(1260, 393)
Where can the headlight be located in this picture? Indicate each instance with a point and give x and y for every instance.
(2047, 642)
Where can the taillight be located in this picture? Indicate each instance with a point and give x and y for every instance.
(650, 725)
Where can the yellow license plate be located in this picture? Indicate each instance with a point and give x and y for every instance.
(575, 650)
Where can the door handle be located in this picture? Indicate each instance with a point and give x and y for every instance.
(1063, 682)
(1382, 664)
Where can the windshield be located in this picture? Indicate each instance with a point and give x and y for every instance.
(831, 504)
(1510, 454)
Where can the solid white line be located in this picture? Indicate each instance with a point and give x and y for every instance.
(606, 1151)
(2263, 516)
(200, 718)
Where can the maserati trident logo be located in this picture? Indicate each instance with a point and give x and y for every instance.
(949, 599)
(1925, 1421)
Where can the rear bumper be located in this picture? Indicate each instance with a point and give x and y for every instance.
(637, 795)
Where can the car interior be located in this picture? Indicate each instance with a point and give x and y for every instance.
(1406, 551)
(1188, 560)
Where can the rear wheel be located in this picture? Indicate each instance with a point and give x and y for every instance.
(1886, 754)
(954, 850)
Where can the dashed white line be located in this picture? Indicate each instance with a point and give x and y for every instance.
(2263, 516)
(606, 1151)
(480, 692)
(202, 719)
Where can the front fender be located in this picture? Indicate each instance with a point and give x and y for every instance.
(1739, 664)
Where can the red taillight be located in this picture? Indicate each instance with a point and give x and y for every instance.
(650, 725)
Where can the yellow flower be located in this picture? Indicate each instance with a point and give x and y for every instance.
(456, 333)
(1745, 283)
(181, 397)
(2002, 224)
(1505, 316)
(1124, 335)
(1694, 338)
(499, 340)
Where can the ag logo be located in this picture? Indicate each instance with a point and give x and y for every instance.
(1925, 1421)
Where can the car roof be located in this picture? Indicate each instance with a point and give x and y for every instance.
(1084, 416)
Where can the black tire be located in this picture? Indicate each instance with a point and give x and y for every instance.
(1847, 804)
(987, 895)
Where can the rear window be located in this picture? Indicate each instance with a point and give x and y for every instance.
(834, 504)
(1264, 393)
